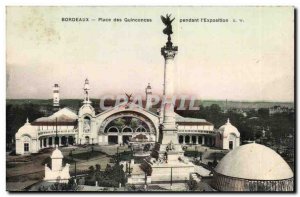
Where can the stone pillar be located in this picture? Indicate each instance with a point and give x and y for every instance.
(67, 140)
(190, 139)
(183, 137)
(47, 142)
(120, 139)
(169, 53)
(203, 140)
(169, 125)
(197, 142)
(53, 141)
(59, 141)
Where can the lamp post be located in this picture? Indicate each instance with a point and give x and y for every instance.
(131, 149)
(145, 180)
(118, 155)
(92, 145)
(171, 178)
(186, 185)
(74, 165)
(129, 169)
(195, 153)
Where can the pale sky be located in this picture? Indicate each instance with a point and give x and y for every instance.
(249, 60)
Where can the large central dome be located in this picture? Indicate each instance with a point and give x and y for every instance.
(254, 162)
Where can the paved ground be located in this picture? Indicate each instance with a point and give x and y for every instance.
(208, 153)
(22, 171)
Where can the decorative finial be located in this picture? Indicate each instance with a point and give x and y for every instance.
(228, 121)
(27, 120)
(129, 97)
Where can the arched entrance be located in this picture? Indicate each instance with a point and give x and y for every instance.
(63, 140)
(180, 139)
(50, 141)
(187, 139)
(121, 127)
(126, 138)
(199, 139)
(56, 139)
(112, 139)
(194, 139)
(70, 140)
(87, 140)
(26, 140)
(45, 142)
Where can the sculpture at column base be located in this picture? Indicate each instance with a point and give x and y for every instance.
(168, 164)
(165, 156)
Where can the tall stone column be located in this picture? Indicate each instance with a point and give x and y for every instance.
(169, 125)
(167, 153)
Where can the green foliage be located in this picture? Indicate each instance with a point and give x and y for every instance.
(111, 177)
(134, 123)
(86, 155)
(250, 127)
(123, 156)
(119, 122)
(48, 160)
(70, 186)
(16, 116)
(191, 153)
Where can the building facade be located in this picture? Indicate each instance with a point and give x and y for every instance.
(117, 125)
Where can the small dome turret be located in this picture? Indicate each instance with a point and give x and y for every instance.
(57, 154)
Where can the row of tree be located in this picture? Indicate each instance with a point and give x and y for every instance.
(251, 124)
(112, 176)
(16, 116)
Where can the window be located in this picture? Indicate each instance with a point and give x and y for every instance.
(26, 147)
(86, 124)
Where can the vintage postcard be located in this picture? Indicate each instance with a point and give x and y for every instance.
(151, 99)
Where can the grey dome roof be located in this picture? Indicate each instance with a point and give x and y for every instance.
(256, 162)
